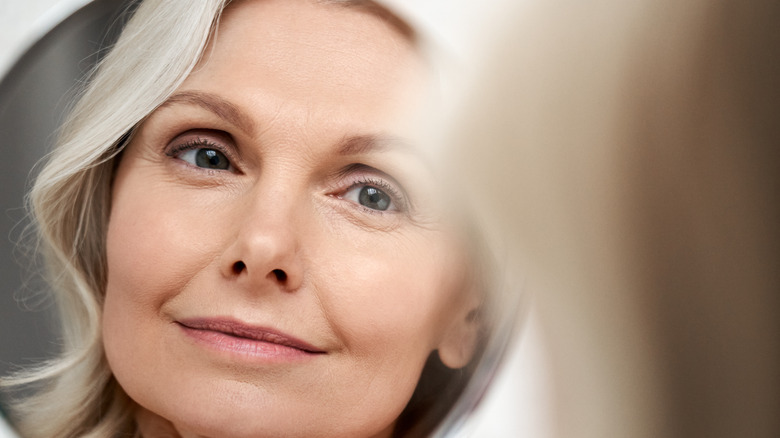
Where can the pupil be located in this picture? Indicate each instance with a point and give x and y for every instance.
(212, 159)
(374, 198)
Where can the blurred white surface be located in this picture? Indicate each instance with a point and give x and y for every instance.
(518, 404)
(5, 429)
(22, 22)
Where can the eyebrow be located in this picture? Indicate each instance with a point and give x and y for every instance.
(363, 144)
(214, 104)
(350, 145)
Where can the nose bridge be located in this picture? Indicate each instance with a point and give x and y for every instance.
(270, 206)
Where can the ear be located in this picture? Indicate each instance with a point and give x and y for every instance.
(459, 341)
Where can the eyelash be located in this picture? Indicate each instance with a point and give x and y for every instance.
(397, 196)
(200, 143)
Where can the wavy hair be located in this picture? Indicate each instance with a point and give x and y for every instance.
(75, 394)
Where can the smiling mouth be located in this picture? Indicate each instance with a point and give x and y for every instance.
(237, 337)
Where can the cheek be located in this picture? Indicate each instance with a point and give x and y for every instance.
(151, 253)
(134, 255)
(393, 295)
(144, 247)
(158, 237)
(388, 305)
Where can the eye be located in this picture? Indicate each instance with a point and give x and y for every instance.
(206, 158)
(370, 197)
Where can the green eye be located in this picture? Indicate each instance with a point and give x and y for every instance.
(371, 197)
(206, 158)
(374, 198)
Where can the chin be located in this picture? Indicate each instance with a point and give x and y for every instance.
(231, 413)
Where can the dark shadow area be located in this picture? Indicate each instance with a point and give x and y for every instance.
(34, 96)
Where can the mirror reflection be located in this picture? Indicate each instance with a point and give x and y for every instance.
(245, 234)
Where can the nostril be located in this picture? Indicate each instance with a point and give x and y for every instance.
(238, 267)
(281, 276)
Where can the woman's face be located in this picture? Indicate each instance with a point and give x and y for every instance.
(278, 263)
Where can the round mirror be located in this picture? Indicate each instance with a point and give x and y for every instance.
(279, 233)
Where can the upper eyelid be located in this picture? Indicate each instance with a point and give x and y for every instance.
(351, 177)
(176, 147)
(358, 168)
(198, 141)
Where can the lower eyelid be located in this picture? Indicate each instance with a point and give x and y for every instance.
(365, 217)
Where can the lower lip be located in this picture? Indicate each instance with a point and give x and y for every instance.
(246, 349)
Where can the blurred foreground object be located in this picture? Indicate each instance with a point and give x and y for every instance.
(627, 154)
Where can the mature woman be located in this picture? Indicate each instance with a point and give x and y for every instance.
(245, 239)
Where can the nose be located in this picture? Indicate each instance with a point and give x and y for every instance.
(265, 252)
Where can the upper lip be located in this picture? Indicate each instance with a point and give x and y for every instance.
(243, 330)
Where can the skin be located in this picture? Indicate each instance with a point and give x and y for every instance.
(280, 239)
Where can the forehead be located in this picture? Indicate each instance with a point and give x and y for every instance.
(317, 56)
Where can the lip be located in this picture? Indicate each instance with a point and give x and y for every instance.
(236, 337)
